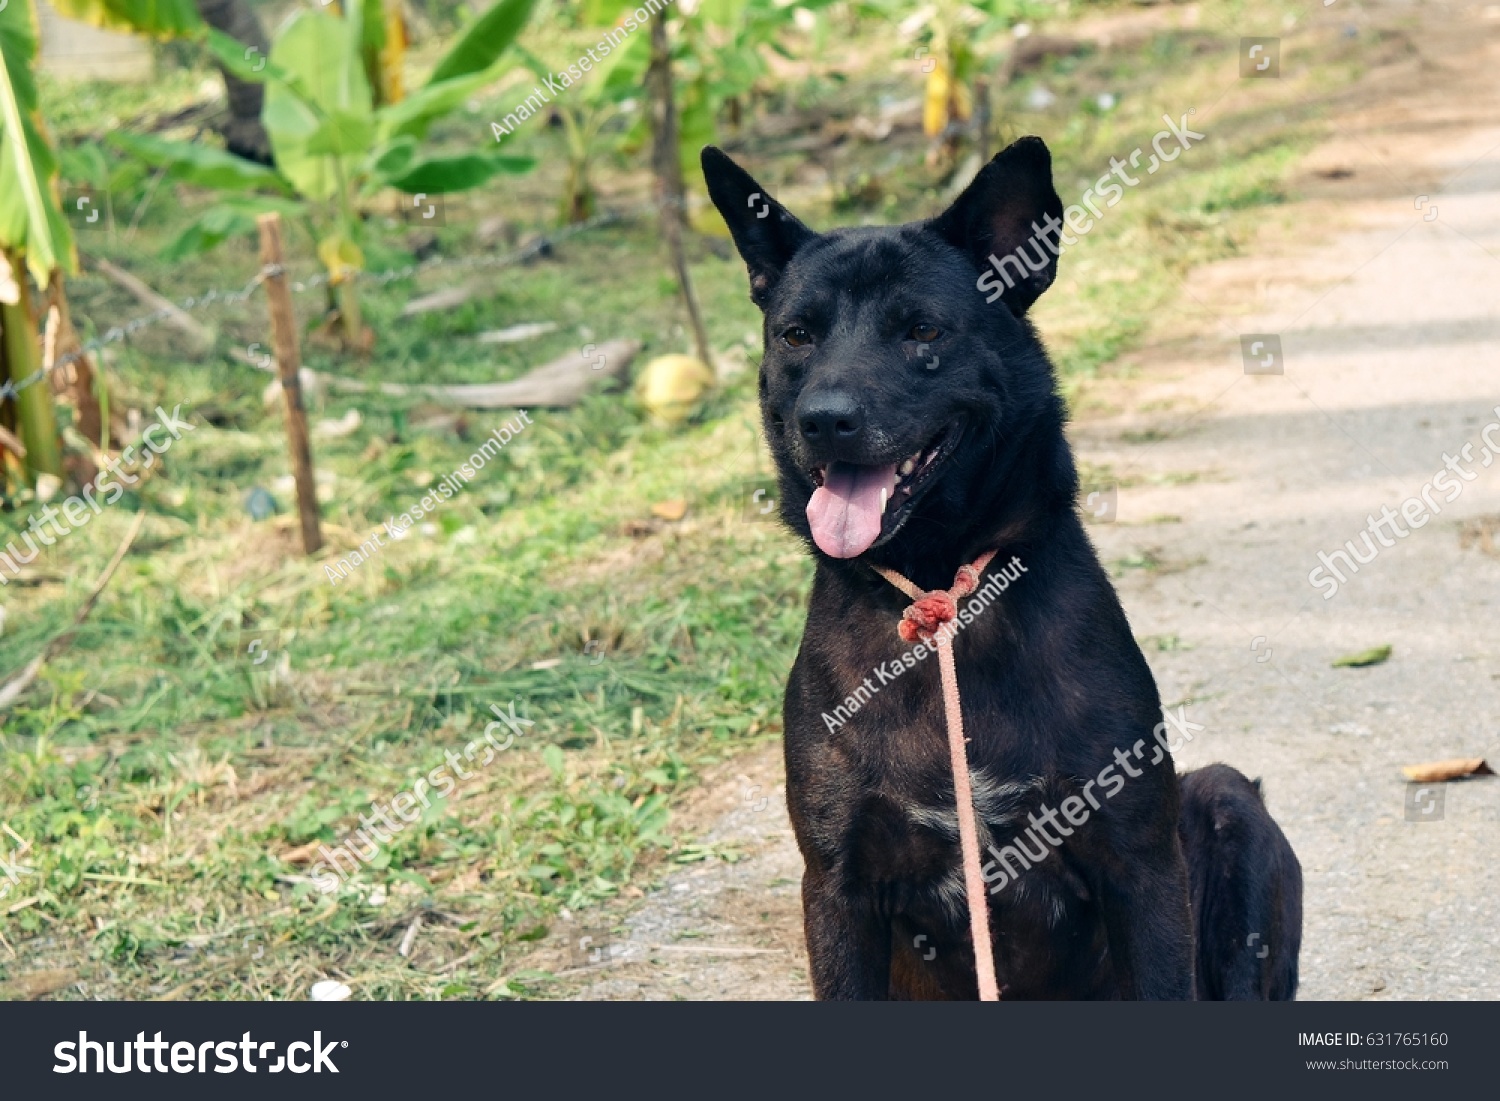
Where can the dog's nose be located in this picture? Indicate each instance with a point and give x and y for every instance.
(830, 417)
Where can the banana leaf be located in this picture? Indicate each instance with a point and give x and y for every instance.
(317, 51)
(233, 217)
(203, 165)
(484, 40)
(29, 218)
(157, 18)
(414, 113)
(439, 175)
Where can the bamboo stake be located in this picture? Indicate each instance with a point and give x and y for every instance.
(288, 364)
(666, 163)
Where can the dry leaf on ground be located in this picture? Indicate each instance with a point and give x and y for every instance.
(1455, 768)
(1363, 658)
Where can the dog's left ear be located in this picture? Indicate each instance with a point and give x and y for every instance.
(764, 231)
(1001, 221)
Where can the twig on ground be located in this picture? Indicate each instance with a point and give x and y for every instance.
(445, 299)
(409, 937)
(175, 314)
(557, 384)
(452, 965)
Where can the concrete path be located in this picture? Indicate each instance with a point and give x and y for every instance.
(1390, 348)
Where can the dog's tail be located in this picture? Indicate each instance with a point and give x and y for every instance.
(1246, 889)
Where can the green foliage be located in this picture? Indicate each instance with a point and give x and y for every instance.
(201, 165)
(414, 114)
(333, 145)
(31, 230)
(232, 216)
(157, 18)
(439, 175)
(717, 57)
(321, 124)
(29, 219)
(483, 41)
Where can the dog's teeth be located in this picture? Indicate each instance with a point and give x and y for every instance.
(884, 493)
(907, 467)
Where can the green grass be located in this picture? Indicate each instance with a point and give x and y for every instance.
(163, 785)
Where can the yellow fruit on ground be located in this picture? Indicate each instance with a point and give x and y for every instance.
(670, 386)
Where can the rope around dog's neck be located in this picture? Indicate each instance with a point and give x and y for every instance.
(927, 619)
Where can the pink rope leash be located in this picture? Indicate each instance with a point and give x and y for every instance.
(927, 619)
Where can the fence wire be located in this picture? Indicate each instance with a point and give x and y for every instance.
(10, 389)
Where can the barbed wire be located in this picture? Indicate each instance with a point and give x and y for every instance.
(11, 389)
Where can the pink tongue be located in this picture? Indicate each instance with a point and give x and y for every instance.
(845, 511)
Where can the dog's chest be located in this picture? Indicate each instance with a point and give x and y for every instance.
(904, 845)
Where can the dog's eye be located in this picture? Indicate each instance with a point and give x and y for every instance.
(924, 333)
(797, 336)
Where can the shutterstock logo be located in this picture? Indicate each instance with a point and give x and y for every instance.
(145, 1056)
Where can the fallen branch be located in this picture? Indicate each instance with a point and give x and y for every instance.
(554, 385)
(1030, 52)
(174, 313)
(12, 691)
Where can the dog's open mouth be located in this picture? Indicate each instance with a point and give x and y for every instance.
(854, 506)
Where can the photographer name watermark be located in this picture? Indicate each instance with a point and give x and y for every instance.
(448, 487)
(557, 83)
(970, 610)
(377, 828)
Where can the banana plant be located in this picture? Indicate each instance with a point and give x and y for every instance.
(586, 113)
(158, 18)
(33, 236)
(956, 87)
(582, 126)
(384, 50)
(718, 60)
(711, 56)
(335, 147)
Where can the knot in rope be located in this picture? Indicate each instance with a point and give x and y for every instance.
(931, 610)
(923, 619)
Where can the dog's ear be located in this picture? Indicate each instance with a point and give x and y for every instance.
(1008, 221)
(764, 232)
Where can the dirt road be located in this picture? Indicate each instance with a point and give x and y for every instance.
(1382, 284)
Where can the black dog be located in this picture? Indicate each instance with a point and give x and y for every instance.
(915, 423)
